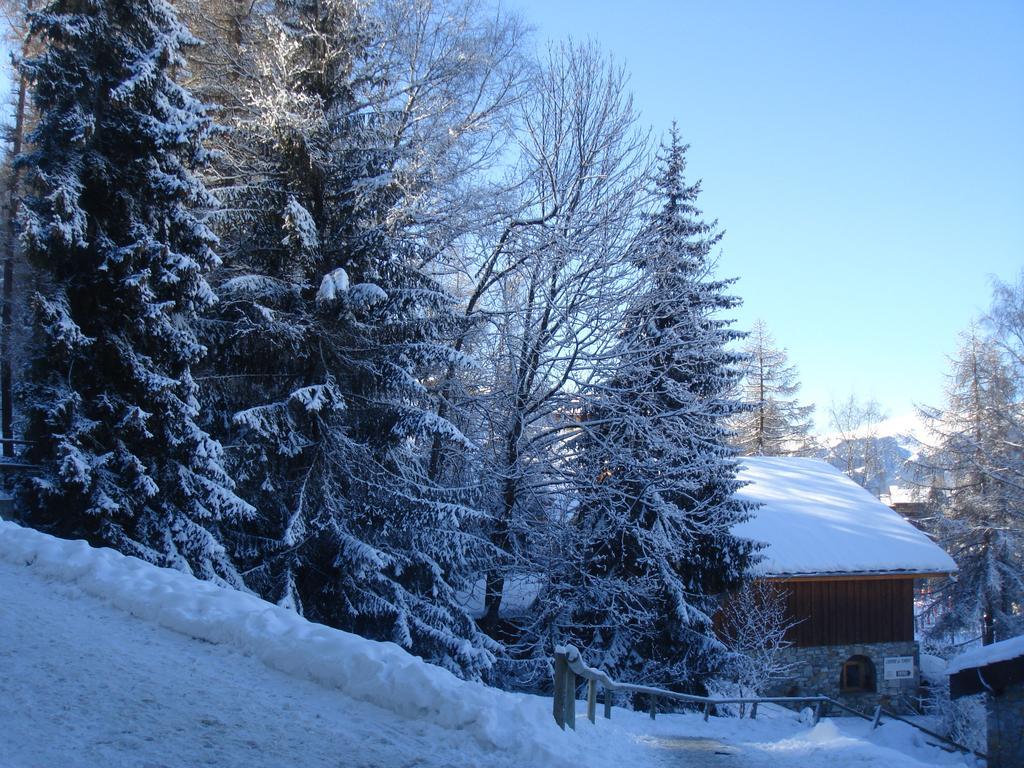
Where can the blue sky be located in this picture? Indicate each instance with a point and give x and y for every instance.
(866, 160)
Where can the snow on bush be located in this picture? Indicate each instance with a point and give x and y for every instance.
(962, 720)
(379, 673)
(753, 627)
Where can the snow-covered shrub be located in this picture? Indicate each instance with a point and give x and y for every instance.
(753, 627)
(963, 719)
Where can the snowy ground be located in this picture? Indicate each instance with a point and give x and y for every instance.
(87, 685)
(778, 740)
(84, 682)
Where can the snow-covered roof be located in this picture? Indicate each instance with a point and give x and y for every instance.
(1004, 650)
(816, 521)
(899, 494)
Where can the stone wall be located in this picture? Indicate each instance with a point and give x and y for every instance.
(817, 670)
(1006, 728)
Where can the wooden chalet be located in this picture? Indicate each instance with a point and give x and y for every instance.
(845, 564)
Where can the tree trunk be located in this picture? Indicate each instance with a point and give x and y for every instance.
(501, 537)
(7, 312)
(493, 594)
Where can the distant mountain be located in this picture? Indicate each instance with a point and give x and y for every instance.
(879, 456)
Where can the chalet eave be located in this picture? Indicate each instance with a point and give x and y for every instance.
(856, 576)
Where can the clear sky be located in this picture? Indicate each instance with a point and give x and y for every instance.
(866, 160)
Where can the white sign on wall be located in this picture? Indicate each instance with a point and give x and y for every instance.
(899, 667)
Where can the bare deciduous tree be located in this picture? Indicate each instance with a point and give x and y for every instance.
(552, 283)
(855, 425)
(754, 626)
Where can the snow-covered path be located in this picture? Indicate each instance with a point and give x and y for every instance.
(84, 684)
(833, 743)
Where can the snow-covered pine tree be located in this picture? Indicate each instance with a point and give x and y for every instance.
(657, 473)
(327, 343)
(977, 462)
(113, 226)
(774, 423)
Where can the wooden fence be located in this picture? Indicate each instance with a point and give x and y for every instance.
(11, 464)
(570, 668)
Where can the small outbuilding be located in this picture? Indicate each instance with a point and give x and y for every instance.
(996, 670)
(845, 564)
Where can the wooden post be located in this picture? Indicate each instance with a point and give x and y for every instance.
(607, 704)
(561, 669)
(817, 712)
(707, 710)
(654, 707)
(743, 709)
(570, 698)
(878, 717)
(592, 700)
(753, 711)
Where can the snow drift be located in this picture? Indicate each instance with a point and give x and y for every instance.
(382, 674)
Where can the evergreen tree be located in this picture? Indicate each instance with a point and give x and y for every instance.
(656, 500)
(775, 423)
(327, 344)
(978, 462)
(112, 225)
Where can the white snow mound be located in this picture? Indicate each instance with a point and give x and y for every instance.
(382, 674)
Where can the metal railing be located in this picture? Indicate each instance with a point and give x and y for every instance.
(569, 668)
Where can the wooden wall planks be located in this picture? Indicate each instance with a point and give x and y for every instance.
(840, 612)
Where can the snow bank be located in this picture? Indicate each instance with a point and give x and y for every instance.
(1004, 650)
(379, 673)
(816, 521)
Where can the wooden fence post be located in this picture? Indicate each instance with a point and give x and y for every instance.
(592, 700)
(654, 707)
(561, 669)
(878, 717)
(817, 712)
(707, 711)
(607, 704)
(570, 698)
(753, 711)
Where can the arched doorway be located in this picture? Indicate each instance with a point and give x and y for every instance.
(857, 675)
